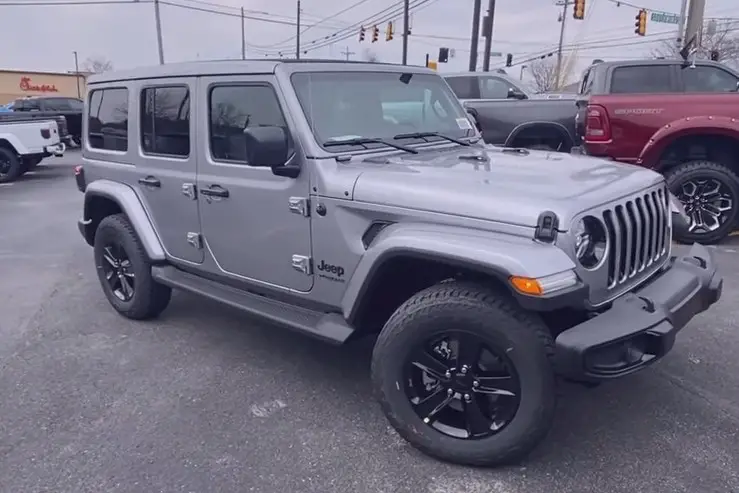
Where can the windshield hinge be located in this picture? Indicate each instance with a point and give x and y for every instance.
(546, 227)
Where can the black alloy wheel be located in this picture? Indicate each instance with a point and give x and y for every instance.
(119, 272)
(460, 385)
(709, 193)
(707, 202)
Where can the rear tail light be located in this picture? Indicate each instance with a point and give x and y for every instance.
(78, 170)
(45, 133)
(597, 124)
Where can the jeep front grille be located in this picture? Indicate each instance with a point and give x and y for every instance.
(638, 236)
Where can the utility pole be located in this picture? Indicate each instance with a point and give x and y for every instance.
(681, 25)
(347, 53)
(297, 37)
(488, 34)
(694, 21)
(475, 34)
(158, 21)
(406, 9)
(77, 74)
(243, 35)
(557, 74)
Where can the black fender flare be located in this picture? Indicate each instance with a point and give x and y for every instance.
(567, 138)
(128, 202)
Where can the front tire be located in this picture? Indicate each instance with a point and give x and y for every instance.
(444, 397)
(709, 192)
(124, 271)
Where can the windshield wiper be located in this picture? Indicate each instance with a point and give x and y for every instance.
(368, 140)
(425, 135)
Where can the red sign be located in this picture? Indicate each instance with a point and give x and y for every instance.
(26, 85)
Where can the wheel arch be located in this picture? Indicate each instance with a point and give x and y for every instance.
(406, 259)
(104, 198)
(691, 139)
(541, 126)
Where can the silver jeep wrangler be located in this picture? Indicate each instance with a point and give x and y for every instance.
(350, 199)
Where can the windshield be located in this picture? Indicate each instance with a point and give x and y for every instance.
(378, 105)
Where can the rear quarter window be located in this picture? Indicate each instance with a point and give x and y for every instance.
(641, 79)
(107, 122)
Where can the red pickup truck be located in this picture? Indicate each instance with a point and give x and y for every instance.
(676, 117)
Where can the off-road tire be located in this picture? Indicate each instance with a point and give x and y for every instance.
(696, 169)
(495, 315)
(16, 167)
(150, 298)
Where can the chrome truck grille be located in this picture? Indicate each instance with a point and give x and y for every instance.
(638, 237)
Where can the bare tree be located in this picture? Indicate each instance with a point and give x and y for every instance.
(544, 73)
(97, 64)
(370, 56)
(720, 36)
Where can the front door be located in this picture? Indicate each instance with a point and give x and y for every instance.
(167, 163)
(255, 229)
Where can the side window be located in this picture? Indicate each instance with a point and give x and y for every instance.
(56, 104)
(76, 104)
(107, 124)
(493, 88)
(587, 82)
(29, 104)
(234, 108)
(641, 79)
(464, 87)
(165, 121)
(708, 79)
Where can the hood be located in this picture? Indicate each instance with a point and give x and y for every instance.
(501, 185)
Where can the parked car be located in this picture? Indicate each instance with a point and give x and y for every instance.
(678, 117)
(293, 195)
(46, 106)
(24, 143)
(509, 114)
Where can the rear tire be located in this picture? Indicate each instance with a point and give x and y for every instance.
(509, 333)
(124, 271)
(710, 180)
(10, 165)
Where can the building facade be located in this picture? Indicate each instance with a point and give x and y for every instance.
(16, 84)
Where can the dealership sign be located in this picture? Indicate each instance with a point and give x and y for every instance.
(27, 85)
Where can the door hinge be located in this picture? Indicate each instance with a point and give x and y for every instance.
(195, 240)
(303, 264)
(189, 190)
(299, 205)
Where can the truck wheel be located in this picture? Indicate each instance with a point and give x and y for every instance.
(125, 272)
(10, 166)
(710, 193)
(464, 375)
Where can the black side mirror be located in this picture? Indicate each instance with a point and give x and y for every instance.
(267, 147)
(514, 93)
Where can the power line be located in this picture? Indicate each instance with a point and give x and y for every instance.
(353, 6)
(378, 18)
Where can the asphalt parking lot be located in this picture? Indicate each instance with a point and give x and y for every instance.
(204, 400)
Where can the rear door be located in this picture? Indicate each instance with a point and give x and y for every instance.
(166, 164)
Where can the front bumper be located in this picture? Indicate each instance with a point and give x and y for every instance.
(640, 327)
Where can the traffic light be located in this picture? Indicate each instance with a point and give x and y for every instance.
(375, 33)
(443, 55)
(714, 55)
(508, 60)
(389, 33)
(361, 34)
(579, 11)
(640, 26)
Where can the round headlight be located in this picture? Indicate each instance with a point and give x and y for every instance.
(590, 242)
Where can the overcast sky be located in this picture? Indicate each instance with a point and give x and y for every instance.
(44, 37)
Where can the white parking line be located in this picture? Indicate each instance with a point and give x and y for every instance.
(6, 184)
